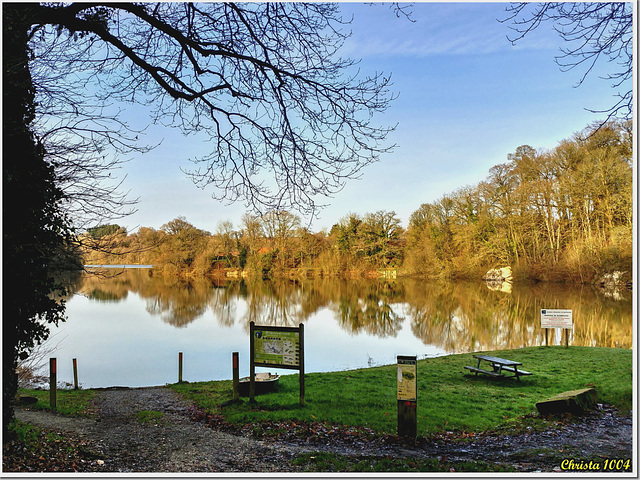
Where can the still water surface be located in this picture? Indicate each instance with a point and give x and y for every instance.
(127, 329)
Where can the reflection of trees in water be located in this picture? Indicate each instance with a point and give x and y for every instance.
(223, 303)
(467, 317)
(603, 321)
(367, 308)
(72, 282)
(105, 296)
(179, 302)
(278, 303)
(453, 316)
(109, 285)
(116, 279)
(178, 314)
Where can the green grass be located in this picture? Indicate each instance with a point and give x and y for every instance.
(149, 416)
(30, 435)
(24, 432)
(68, 402)
(448, 398)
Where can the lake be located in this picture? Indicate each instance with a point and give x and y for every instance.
(126, 328)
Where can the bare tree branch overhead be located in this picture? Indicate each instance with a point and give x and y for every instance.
(286, 118)
(593, 33)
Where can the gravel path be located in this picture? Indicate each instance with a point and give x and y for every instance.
(174, 442)
(595, 436)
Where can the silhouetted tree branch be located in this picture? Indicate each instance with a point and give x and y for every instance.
(286, 118)
(592, 32)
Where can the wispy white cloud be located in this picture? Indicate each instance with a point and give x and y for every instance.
(438, 29)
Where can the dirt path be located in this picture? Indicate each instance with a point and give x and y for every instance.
(174, 442)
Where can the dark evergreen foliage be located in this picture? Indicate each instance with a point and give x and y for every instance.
(35, 230)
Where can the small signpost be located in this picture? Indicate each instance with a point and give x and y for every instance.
(555, 318)
(75, 374)
(235, 356)
(53, 383)
(407, 396)
(278, 347)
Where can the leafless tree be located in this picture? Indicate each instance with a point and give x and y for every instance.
(84, 138)
(31, 369)
(286, 118)
(592, 32)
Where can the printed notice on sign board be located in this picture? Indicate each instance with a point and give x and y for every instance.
(556, 318)
(407, 378)
(277, 348)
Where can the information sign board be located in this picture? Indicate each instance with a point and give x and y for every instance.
(276, 347)
(279, 347)
(407, 378)
(553, 318)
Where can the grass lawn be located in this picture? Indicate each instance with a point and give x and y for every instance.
(449, 398)
(68, 402)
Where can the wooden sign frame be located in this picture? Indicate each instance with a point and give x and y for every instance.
(287, 351)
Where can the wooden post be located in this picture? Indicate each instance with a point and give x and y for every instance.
(53, 383)
(236, 376)
(75, 374)
(180, 367)
(407, 418)
(252, 364)
(546, 337)
(301, 353)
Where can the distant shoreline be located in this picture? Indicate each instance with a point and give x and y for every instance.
(118, 266)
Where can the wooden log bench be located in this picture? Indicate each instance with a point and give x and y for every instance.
(573, 401)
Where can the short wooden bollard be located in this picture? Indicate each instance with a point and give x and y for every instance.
(236, 376)
(53, 382)
(180, 367)
(75, 374)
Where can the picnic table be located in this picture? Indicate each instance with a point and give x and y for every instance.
(499, 367)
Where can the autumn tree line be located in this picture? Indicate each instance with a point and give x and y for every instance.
(559, 215)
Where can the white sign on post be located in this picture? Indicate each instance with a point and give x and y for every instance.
(556, 318)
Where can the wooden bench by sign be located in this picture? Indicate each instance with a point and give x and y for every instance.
(279, 347)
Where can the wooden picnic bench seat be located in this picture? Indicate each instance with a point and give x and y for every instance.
(486, 372)
(518, 372)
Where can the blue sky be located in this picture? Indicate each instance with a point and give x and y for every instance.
(466, 99)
